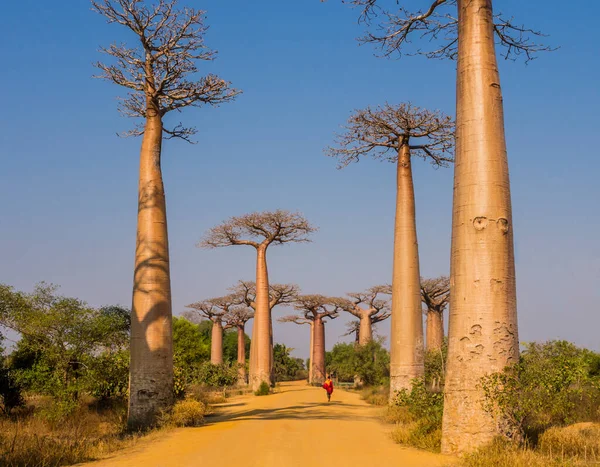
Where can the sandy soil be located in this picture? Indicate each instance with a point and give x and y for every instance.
(294, 427)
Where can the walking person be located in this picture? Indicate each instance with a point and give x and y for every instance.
(328, 386)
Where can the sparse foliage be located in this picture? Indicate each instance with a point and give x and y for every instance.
(259, 228)
(380, 133)
(159, 71)
(437, 24)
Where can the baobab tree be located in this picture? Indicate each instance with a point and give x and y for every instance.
(279, 294)
(396, 133)
(238, 317)
(260, 230)
(482, 333)
(159, 74)
(317, 308)
(215, 309)
(435, 294)
(300, 320)
(369, 308)
(353, 328)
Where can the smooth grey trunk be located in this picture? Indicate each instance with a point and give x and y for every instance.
(260, 364)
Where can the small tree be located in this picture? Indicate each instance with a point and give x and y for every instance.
(215, 309)
(237, 318)
(300, 320)
(317, 308)
(435, 294)
(260, 230)
(159, 75)
(395, 133)
(279, 294)
(369, 308)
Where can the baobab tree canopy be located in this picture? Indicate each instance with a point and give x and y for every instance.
(436, 23)
(370, 307)
(380, 132)
(279, 294)
(159, 71)
(268, 227)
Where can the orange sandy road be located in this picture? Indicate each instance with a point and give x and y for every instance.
(295, 427)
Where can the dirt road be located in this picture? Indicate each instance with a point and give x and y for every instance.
(295, 427)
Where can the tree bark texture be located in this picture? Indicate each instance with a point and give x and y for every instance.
(365, 332)
(311, 352)
(151, 368)
(483, 334)
(241, 354)
(406, 337)
(435, 330)
(260, 366)
(319, 352)
(216, 343)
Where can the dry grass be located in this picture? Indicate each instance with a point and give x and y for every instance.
(188, 412)
(28, 439)
(580, 442)
(376, 395)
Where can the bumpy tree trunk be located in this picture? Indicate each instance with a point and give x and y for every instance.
(319, 352)
(260, 367)
(241, 354)
(151, 368)
(435, 330)
(311, 352)
(365, 332)
(406, 337)
(483, 315)
(216, 343)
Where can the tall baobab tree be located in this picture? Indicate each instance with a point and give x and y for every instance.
(435, 294)
(396, 133)
(260, 230)
(238, 317)
(300, 320)
(369, 308)
(317, 308)
(353, 328)
(482, 333)
(159, 74)
(279, 294)
(215, 309)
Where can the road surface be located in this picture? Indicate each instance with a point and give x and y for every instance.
(295, 427)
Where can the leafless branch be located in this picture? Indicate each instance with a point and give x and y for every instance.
(314, 307)
(382, 131)
(437, 24)
(435, 293)
(259, 228)
(160, 71)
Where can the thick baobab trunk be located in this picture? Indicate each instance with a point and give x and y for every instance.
(406, 336)
(241, 355)
(271, 366)
(151, 368)
(483, 315)
(216, 343)
(435, 330)
(365, 333)
(319, 351)
(311, 352)
(260, 366)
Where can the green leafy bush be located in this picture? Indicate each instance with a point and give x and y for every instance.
(263, 390)
(553, 384)
(370, 362)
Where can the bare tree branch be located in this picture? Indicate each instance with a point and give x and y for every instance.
(382, 131)
(435, 293)
(160, 71)
(259, 228)
(437, 24)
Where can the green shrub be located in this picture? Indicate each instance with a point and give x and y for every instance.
(263, 390)
(108, 376)
(553, 384)
(370, 363)
(10, 392)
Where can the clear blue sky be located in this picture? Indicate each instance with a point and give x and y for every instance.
(68, 184)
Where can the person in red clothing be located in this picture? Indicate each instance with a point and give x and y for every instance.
(328, 386)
